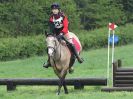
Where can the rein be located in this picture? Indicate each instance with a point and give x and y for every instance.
(55, 49)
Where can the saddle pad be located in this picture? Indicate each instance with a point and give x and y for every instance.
(76, 42)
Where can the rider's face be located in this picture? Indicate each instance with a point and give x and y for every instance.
(55, 11)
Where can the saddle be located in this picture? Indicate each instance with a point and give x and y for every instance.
(76, 43)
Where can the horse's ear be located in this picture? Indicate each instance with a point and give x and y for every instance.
(46, 34)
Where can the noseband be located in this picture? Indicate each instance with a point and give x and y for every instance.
(55, 45)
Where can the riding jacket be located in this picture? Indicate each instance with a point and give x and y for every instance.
(58, 24)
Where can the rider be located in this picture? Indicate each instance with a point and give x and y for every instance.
(58, 23)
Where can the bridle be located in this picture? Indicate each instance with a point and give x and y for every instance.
(55, 47)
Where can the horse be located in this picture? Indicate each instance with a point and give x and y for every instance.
(60, 59)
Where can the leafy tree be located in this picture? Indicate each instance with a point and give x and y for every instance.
(97, 13)
(128, 9)
(30, 17)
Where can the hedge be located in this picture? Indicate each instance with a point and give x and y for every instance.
(22, 47)
(99, 38)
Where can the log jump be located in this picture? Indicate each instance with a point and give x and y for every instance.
(78, 83)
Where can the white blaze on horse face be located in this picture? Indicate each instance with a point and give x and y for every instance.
(50, 44)
(50, 51)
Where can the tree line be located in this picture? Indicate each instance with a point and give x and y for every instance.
(30, 17)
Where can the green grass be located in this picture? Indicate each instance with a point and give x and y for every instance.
(94, 66)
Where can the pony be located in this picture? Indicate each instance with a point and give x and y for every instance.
(61, 58)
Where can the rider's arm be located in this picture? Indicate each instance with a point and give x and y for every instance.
(51, 25)
(65, 24)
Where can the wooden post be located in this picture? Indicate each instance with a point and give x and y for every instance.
(10, 86)
(115, 66)
(119, 63)
(78, 85)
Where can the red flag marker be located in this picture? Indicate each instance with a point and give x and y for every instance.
(112, 26)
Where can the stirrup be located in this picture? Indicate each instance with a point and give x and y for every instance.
(46, 65)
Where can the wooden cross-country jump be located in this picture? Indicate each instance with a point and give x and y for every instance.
(78, 83)
(122, 78)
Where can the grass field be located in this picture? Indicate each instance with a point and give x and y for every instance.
(95, 65)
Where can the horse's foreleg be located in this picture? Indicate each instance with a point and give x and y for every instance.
(62, 81)
(60, 85)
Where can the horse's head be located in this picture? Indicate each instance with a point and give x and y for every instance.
(51, 42)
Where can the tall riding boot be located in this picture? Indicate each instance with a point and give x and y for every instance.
(73, 49)
(47, 64)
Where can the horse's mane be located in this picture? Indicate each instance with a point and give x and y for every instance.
(58, 37)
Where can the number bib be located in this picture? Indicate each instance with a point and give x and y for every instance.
(58, 22)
